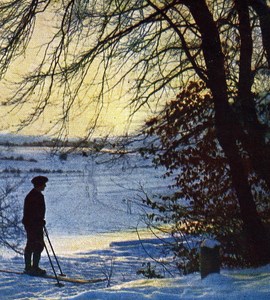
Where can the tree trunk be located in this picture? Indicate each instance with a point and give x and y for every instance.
(254, 142)
(263, 11)
(226, 126)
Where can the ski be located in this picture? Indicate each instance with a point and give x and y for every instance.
(60, 278)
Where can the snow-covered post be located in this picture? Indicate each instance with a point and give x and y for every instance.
(209, 258)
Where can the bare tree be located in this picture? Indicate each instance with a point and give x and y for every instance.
(153, 48)
(10, 220)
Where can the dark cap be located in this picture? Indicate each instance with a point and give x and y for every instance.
(39, 180)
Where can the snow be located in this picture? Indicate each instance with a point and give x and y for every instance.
(231, 285)
(210, 243)
(96, 228)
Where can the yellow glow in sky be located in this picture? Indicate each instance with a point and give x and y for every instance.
(114, 119)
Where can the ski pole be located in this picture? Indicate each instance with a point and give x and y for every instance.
(56, 277)
(47, 235)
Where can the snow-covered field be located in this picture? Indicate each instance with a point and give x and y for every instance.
(94, 218)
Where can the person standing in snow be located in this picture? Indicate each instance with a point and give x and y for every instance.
(34, 221)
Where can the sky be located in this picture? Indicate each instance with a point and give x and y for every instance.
(114, 118)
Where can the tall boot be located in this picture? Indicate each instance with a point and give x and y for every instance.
(27, 261)
(36, 269)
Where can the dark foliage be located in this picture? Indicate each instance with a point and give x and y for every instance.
(202, 201)
(148, 271)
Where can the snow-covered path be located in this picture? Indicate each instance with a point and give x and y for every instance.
(126, 256)
(115, 256)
